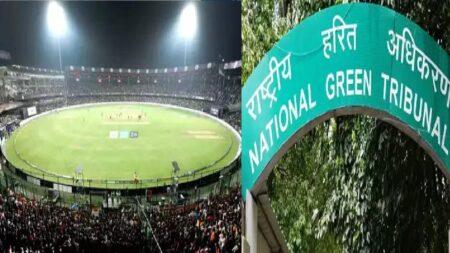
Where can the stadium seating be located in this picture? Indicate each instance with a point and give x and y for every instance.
(210, 225)
(197, 87)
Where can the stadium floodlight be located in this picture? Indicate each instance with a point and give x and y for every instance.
(56, 19)
(57, 24)
(187, 25)
(188, 21)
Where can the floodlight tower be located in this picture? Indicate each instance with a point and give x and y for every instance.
(57, 25)
(187, 25)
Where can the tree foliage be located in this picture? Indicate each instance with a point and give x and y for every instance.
(353, 183)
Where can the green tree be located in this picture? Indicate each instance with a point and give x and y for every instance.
(353, 183)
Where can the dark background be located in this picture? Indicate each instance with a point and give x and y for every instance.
(119, 34)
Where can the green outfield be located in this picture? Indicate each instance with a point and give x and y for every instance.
(131, 143)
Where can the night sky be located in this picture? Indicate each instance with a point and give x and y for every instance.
(119, 34)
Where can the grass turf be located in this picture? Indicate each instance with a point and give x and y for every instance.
(61, 141)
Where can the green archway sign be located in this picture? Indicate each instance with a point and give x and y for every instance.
(347, 59)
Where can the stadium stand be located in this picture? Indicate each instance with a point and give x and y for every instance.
(199, 87)
(210, 225)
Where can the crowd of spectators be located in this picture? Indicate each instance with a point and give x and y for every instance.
(211, 225)
(207, 82)
(199, 87)
(31, 226)
(22, 84)
(8, 119)
(197, 84)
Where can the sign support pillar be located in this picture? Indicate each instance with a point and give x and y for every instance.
(251, 223)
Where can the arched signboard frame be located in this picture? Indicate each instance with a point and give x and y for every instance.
(347, 59)
(344, 60)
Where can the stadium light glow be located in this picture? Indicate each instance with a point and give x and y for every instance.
(57, 25)
(188, 21)
(56, 19)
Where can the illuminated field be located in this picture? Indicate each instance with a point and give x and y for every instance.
(111, 142)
